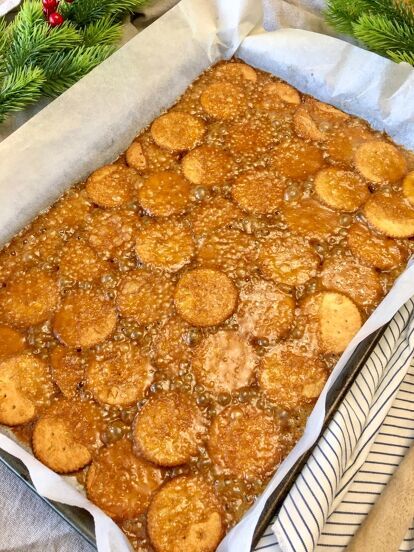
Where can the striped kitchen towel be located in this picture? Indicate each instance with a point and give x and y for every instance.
(354, 458)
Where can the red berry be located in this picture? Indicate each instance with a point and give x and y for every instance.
(49, 5)
(55, 19)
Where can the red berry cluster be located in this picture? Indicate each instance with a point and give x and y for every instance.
(49, 9)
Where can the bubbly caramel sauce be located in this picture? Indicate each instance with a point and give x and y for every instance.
(225, 181)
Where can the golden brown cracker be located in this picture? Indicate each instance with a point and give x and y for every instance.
(67, 370)
(171, 347)
(306, 127)
(229, 250)
(185, 516)
(408, 187)
(120, 376)
(258, 191)
(250, 138)
(341, 190)
(290, 377)
(208, 166)
(11, 341)
(296, 159)
(291, 261)
(245, 441)
(145, 296)
(391, 214)
(169, 428)
(112, 185)
(264, 311)
(205, 297)
(235, 72)
(25, 387)
(79, 262)
(84, 319)
(380, 161)
(224, 362)
(223, 100)
(135, 157)
(165, 193)
(373, 249)
(211, 215)
(310, 219)
(167, 245)
(177, 131)
(342, 142)
(29, 298)
(120, 482)
(346, 275)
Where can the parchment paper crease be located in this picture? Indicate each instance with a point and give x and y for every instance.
(97, 118)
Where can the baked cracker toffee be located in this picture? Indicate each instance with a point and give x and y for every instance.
(167, 326)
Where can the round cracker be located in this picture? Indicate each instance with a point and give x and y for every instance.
(375, 250)
(79, 262)
(112, 185)
(223, 100)
(285, 92)
(250, 138)
(264, 311)
(169, 428)
(55, 446)
(71, 210)
(245, 441)
(170, 347)
(11, 341)
(380, 161)
(310, 219)
(346, 275)
(341, 190)
(224, 362)
(208, 166)
(177, 131)
(291, 261)
(112, 233)
(167, 245)
(216, 213)
(391, 214)
(229, 250)
(278, 96)
(408, 187)
(119, 377)
(25, 387)
(29, 298)
(84, 319)
(258, 191)
(323, 112)
(135, 157)
(67, 370)
(205, 297)
(235, 72)
(290, 377)
(185, 516)
(296, 159)
(341, 143)
(145, 296)
(165, 193)
(306, 127)
(120, 482)
(333, 317)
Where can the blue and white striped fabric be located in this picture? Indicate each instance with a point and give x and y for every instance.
(357, 454)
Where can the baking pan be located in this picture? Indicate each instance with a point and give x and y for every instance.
(82, 521)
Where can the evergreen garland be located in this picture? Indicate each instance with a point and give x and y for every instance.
(38, 60)
(383, 26)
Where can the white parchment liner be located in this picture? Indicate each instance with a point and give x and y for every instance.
(97, 118)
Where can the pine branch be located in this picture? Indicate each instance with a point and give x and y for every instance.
(19, 89)
(381, 34)
(63, 69)
(341, 14)
(398, 56)
(83, 12)
(104, 31)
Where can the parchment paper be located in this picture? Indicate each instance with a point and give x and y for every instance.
(97, 118)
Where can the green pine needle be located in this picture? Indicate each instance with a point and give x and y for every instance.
(63, 69)
(104, 31)
(384, 26)
(382, 34)
(84, 12)
(20, 88)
